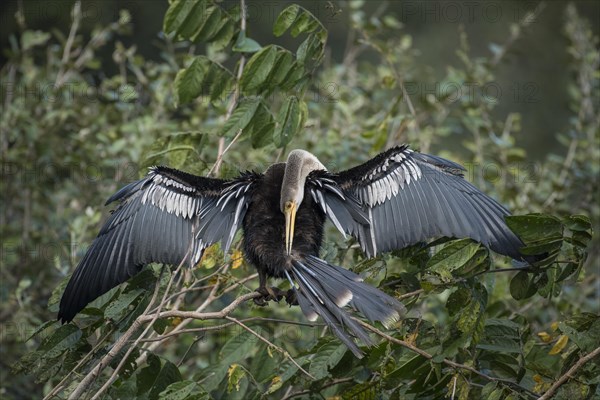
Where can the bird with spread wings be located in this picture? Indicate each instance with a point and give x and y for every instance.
(398, 198)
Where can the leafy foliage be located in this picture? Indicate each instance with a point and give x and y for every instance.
(478, 326)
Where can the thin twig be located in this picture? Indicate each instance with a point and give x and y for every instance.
(570, 373)
(410, 294)
(454, 387)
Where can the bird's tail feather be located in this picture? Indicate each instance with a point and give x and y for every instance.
(324, 288)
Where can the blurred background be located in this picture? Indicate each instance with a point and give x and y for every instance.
(508, 88)
(532, 80)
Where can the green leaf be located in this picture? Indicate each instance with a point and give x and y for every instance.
(160, 325)
(310, 50)
(120, 305)
(234, 376)
(31, 39)
(129, 366)
(362, 391)
(501, 335)
(169, 373)
(580, 223)
(289, 122)
(213, 375)
(566, 271)
(586, 337)
(62, 339)
(183, 390)
(202, 77)
(457, 300)
(406, 367)
(238, 347)
(222, 84)
(223, 35)
(453, 256)
(521, 287)
(469, 316)
(295, 74)
(176, 150)
(581, 239)
(57, 293)
(244, 44)
(283, 65)
(257, 70)
(155, 378)
(304, 23)
(326, 357)
(290, 370)
(41, 328)
(261, 127)
(285, 19)
(184, 17)
(127, 390)
(547, 245)
(188, 82)
(275, 385)
(534, 227)
(210, 25)
(240, 117)
(147, 375)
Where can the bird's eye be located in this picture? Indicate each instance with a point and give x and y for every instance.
(288, 205)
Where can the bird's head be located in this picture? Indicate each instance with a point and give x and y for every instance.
(299, 164)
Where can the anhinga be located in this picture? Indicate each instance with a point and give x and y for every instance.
(396, 199)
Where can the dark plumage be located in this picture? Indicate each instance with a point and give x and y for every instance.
(264, 226)
(396, 199)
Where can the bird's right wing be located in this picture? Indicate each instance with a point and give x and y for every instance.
(167, 217)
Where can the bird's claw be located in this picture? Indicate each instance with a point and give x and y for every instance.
(268, 293)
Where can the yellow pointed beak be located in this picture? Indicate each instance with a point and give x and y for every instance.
(290, 221)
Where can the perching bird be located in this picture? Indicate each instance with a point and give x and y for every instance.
(396, 199)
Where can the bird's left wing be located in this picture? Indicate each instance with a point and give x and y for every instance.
(403, 197)
(167, 217)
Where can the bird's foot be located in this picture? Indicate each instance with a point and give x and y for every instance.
(268, 293)
(291, 297)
